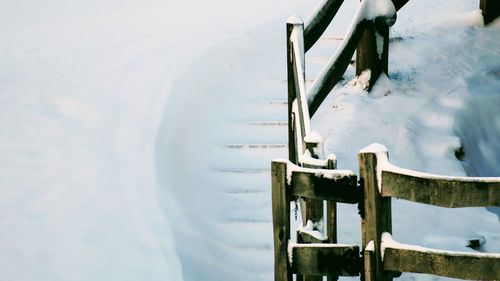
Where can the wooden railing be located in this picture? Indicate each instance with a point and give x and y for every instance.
(312, 179)
(318, 257)
(381, 257)
(381, 181)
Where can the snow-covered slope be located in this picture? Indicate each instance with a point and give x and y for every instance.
(136, 136)
(83, 85)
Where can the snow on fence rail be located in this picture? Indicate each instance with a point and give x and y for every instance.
(322, 257)
(305, 146)
(381, 181)
(313, 179)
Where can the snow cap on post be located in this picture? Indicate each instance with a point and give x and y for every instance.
(294, 20)
(380, 11)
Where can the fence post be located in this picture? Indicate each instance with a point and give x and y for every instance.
(376, 215)
(313, 210)
(490, 10)
(281, 221)
(292, 95)
(367, 56)
(331, 212)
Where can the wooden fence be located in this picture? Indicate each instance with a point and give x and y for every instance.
(312, 179)
(383, 181)
(381, 257)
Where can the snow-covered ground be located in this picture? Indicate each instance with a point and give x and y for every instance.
(136, 136)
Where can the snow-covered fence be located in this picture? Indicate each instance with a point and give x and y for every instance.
(372, 15)
(290, 182)
(305, 146)
(381, 181)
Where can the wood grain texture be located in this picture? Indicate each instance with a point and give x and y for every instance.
(314, 185)
(281, 221)
(377, 214)
(469, 267)
(441, 192)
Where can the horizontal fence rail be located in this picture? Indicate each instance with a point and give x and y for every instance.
(382, 181)
(325, 259)
(289, 182)
(410, 258)
(449, 192)
(319, 21)
(368, 14)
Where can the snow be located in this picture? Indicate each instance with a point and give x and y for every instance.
(379, 8)
(313, 137)
(389, 242)
(116, 118)
(315, 229)
(370, 246)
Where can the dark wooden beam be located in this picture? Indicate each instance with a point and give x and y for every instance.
(315, 185)
(490, 10)
(325, 259)
(320, 21)
(281, 221)
(367, 53)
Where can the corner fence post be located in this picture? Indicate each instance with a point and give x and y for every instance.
(281, 221)
(490, 10)
(377, 217)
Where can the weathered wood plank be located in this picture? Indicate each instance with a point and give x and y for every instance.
(370, 265)
(281, 221)
(443, 192)
(464, 266)
(325, 259)
(317, 186)
(331, 213)
(490, 10)
(376, 212)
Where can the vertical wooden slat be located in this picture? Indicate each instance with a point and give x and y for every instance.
(313, 207)
(292, 95)
(281, 221)
(331, 221)
(490, 10)
(369, 260)
(377, 212)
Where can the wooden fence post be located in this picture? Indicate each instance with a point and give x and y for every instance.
(376, 215)
(292, 95)
(331, 212)
(490, 10)
(281, 221)
(367, 56)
